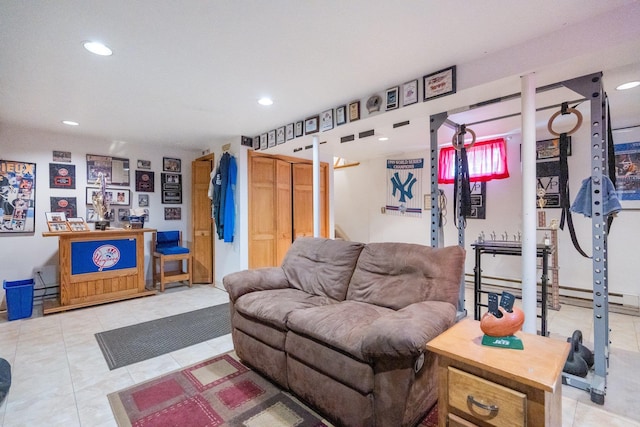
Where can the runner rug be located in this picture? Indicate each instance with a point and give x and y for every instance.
(135, 343)
(217, 392)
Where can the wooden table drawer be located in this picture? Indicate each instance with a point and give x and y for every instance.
(487, 401)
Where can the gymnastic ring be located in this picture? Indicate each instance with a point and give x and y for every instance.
(557, 113)
(454, 140)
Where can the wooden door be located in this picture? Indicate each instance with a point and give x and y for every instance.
(262, 211)
(276, 186)
(302, 183)
(284, 228)
(302, 200)
(201, 220)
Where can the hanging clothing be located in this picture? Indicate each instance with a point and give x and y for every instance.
(582, 203)
(212, 175)
(219, 187)
(229, 205)
(223, 197)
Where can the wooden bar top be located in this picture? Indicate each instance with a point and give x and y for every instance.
(538, 365)
(107, 232)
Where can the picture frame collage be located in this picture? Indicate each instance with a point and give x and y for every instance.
(121, 197)
(434, 85)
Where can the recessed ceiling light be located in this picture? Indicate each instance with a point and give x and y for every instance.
(265, 101)
(70, 123)
(628, 85)
(98, 48)
(383, 138)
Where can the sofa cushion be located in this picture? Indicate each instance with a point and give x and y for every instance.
(405, 332)
(321, 266)
(273, 306)
(395, 275)
(342, 326)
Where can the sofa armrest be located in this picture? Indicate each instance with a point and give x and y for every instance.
(405, 333)
(259, 279)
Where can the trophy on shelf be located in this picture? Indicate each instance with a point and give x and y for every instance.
(542, 218)
(101, 203)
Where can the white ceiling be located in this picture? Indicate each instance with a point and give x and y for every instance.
(189, 73)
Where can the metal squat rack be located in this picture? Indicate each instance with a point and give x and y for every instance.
(590, 87)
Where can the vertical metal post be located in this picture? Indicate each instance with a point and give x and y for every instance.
(590, 87)
(435, 122)
(529, 216)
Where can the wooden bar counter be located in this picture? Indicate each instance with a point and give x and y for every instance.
(97, 267)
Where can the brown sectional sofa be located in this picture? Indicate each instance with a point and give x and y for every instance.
(343, 325)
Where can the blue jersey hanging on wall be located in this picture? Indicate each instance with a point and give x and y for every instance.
(224, 184)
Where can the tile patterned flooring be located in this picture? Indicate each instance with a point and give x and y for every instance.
(60, 377)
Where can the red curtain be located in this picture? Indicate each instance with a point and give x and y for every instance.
(487, 161)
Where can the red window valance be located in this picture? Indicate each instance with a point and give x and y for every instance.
(487, 160)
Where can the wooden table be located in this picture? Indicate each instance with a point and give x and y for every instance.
(489, 386)
(96, 267)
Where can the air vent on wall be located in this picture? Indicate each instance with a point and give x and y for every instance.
(400, 124)
(366, 133)
(295, 150)
(347, 138)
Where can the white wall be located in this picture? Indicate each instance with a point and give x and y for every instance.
(22, 254)
(360, 192)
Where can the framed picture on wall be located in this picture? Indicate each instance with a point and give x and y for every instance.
(341, 115)
(18, 196)
(115, 196)
(143, 200)
(271, 138)
(114, 169)
(392, 98)
(410, 92)
(299, 129)
(280, 135)
(311, 125)
(62, 176)
(627, 159)
(172, 213)
(326, 120)
(354, 111)
(290, 133)
(171, 164)
(145, 181)
(440, 83)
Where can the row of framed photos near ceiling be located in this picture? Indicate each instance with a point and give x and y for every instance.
(434, 85)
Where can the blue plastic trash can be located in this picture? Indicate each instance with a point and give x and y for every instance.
(19, 295)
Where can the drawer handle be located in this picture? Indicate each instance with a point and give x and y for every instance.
(490, 408)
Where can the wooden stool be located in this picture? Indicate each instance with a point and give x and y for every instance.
(167, 247)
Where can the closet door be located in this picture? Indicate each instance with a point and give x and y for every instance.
(281, 206)
(262, 212)
(302, 199)
(284, 228)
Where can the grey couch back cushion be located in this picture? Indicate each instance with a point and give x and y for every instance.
(395, 275)
(321, 266)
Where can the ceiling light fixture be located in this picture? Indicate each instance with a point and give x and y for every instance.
(98, 48)
(70, 123)
(383, 138)
(629, 85)
(265, 101)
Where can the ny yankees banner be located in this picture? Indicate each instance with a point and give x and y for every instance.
(404, 187)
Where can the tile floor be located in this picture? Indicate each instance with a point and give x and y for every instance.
(60, 377)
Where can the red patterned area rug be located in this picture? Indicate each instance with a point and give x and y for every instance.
(217, 392)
